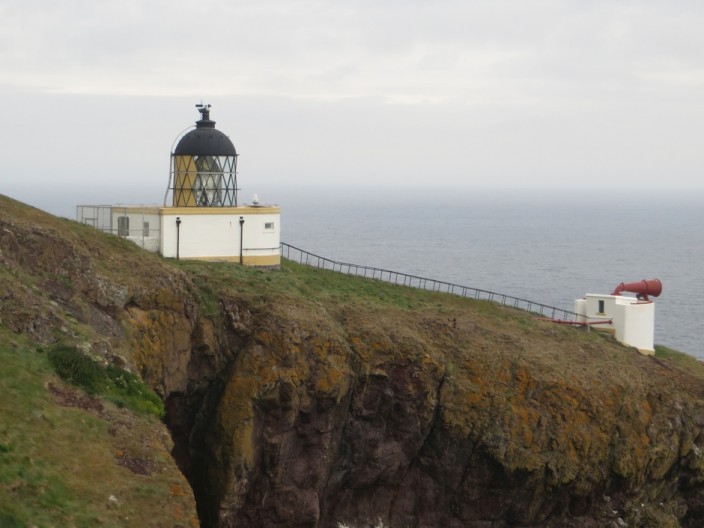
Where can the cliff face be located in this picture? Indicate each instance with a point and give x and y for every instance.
(304, 399)
(430, 420)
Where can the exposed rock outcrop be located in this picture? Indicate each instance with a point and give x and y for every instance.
(361, 416)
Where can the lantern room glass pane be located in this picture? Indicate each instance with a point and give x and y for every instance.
(208, 189)
(208, 164)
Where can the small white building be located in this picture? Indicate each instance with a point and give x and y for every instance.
(631, 320)
(203, 219)
(248, 234)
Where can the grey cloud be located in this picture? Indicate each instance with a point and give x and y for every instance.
(475, 92)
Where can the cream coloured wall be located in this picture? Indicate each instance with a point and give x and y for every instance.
(638, 325)
(214, 234)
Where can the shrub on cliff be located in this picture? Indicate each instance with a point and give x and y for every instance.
(117, 385)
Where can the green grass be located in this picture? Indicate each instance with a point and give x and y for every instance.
(299, 282)
(681, 360)
(58, 464)
(30, 484)
(115, 384)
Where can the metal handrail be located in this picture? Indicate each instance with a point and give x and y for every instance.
(404, 279)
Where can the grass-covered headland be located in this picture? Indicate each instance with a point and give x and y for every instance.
(80, 444)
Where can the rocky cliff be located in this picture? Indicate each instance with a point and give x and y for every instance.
(300, 398)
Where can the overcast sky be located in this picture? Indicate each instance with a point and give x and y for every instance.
(494, 93)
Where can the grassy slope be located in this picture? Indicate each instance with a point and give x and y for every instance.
(680, 360)
(61, 463)
(63, 454)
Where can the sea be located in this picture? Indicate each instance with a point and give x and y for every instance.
(544, 245)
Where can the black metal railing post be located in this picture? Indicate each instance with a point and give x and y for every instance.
(178, 237)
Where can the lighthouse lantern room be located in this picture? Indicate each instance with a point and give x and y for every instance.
(204, 167)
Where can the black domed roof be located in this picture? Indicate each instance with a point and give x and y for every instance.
(205, 140)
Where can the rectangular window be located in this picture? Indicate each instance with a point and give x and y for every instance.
(269, 226)
(601, 307)
(123, 226)
(145, 229)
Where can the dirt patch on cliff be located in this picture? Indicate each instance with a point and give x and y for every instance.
(74, 398)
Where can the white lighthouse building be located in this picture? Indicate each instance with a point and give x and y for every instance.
(201, 217)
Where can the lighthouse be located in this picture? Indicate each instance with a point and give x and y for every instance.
(201, 217)
(204, 167)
